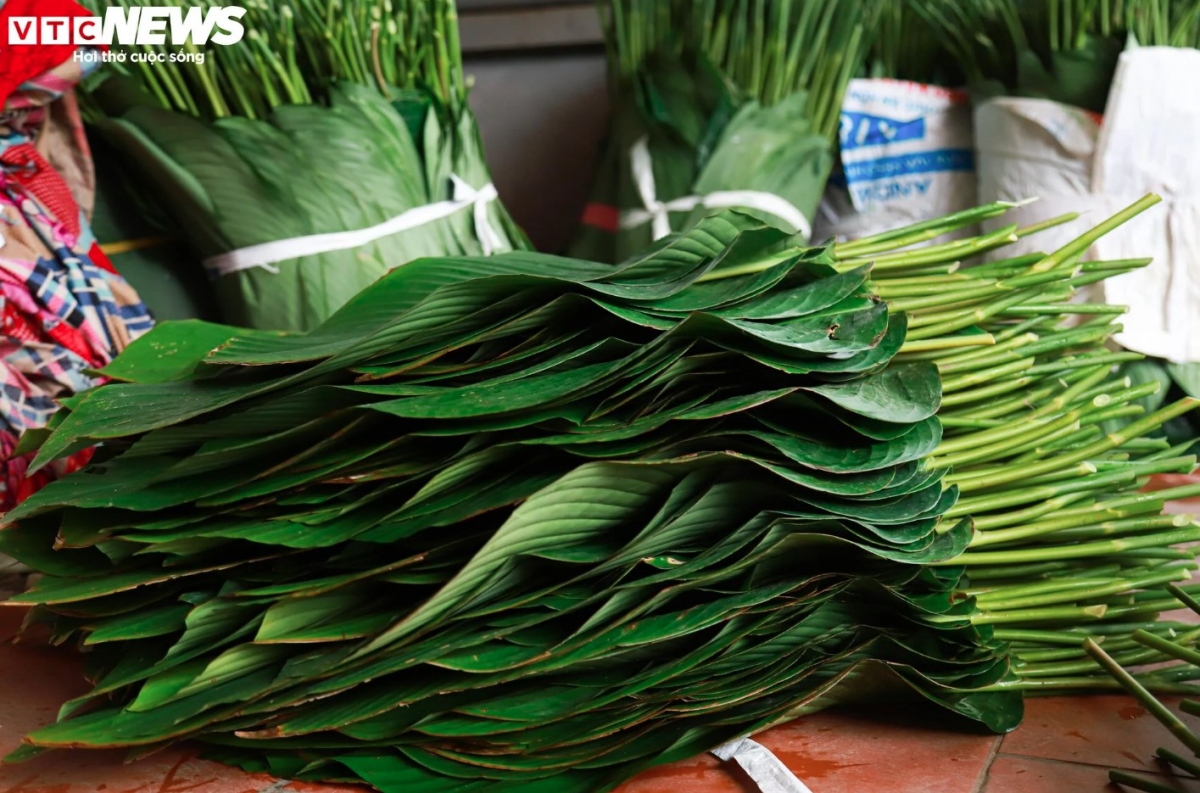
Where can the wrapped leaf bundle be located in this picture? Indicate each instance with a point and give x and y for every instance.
(520, 522)
(333, 143)
(719, 104)
(138, 241)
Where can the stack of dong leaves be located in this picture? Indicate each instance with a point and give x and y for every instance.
(533, 523)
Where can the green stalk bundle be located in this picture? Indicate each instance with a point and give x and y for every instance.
(726, 97)
(295, 51)
(330, 116)
(769, 50)
(1064, 50)
(904, 46)
(1065, 545)
(1184, 664)
(1164, 23)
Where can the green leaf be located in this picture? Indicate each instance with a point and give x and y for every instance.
(907, 393)
(1187, 375)
(141, 625)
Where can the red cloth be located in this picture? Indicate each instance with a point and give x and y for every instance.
(29, 485)
(602, 216)
(97, 255)
(20, 63)
(24, 165)
(17, 326)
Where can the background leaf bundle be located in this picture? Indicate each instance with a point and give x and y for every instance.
(905, 46)
(136, 236)
(726, 97)
(1063, 50)
(328, 117)
(520, 522)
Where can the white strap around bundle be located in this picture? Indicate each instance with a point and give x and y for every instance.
(762, 766)
(268, 254)
(658, 213)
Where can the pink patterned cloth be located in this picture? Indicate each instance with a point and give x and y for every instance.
(64, 311)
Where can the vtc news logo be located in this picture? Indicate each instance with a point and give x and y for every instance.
(153, 26)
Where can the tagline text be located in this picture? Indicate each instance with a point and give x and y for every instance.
(181, 56)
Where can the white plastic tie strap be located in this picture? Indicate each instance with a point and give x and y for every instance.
(658, 213)
(764, 768)
(268, 254)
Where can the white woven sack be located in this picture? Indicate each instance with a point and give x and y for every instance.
(1072, 162)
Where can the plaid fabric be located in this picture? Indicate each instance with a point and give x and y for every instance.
(63, 309)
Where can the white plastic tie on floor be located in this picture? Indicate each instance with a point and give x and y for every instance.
(279, 786)
(763, 767)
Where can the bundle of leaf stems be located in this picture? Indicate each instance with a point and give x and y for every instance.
(1153, 23)
(294, 50)
(982, 36)
(905, 47)
(1164, 23)
(1066, 545)
(770, 49)
(1067, 22)
(987, 36)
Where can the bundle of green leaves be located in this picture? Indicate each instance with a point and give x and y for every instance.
(331, 116)
(1064, 50)
(139, 242)
(905, 46)
(521, 522)
(719, 104)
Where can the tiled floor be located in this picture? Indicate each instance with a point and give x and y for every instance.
(1065, 745)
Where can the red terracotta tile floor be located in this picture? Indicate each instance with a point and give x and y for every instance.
(1065, 745)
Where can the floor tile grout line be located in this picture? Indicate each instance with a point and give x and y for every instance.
(993, 753)
(1105, 766)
